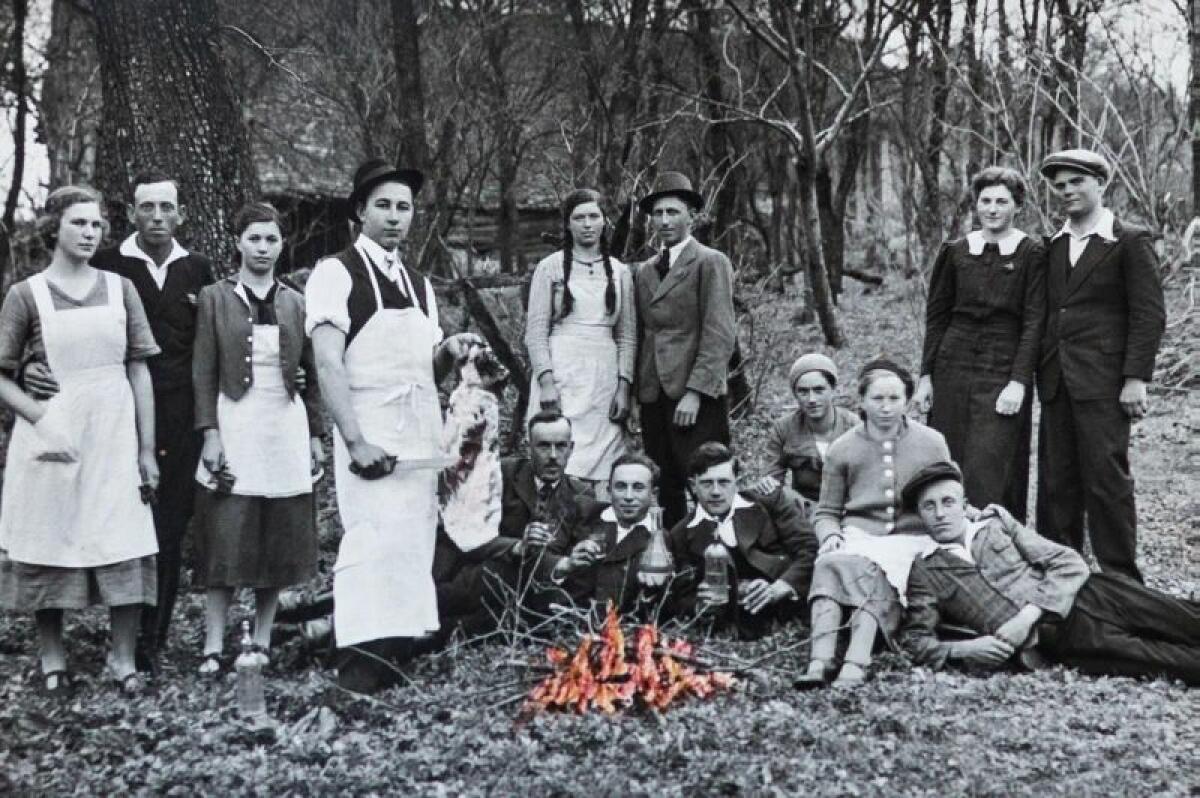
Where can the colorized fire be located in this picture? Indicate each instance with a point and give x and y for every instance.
(603, 674)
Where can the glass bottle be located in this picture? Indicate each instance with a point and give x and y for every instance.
(656, 564)
(252, 702)
(717, 565)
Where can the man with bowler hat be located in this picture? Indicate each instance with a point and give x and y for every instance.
(685, 310)
(1105, 318)
(379, 353)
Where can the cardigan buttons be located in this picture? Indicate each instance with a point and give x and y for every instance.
(889, 473)
(890, 526)
(889, 493)
(887, 446)
(891, 510)
(887, 458)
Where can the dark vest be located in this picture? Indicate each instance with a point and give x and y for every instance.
(170, 310)
(361, 303)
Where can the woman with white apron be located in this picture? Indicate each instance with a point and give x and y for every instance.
(379, 351)
(581, 335)
(255, 518)
(75, 529)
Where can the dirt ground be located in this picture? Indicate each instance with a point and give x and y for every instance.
(451, 728)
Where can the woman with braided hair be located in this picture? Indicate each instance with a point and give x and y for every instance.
(581, 334)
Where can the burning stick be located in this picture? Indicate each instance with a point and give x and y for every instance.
(605, 674)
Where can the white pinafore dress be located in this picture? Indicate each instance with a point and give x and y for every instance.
(383, 578)
(265, 433)
(88, 513)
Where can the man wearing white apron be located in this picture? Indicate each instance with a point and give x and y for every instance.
(379, 353)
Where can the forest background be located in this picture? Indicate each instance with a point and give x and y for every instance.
(833, 142)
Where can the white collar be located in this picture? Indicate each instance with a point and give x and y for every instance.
(959, 549)
(610, 516)
(1008, 245)
(240, 290)
(674, 252)
(701, 514)
(1102, 228)
(130, 249)
(538, 483)
(379, 256)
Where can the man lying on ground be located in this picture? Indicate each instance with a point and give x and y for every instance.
(1030, 600)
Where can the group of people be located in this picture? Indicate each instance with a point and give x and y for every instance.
(144, 389)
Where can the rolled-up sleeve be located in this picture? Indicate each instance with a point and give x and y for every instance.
(16, 316)
(325, 297)
(538, 315)
(625, 330)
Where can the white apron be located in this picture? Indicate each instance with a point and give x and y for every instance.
(87, 513)
(265, 433)
(894, 554)
(383, 577)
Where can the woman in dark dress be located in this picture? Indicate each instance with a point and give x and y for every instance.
(983, 325)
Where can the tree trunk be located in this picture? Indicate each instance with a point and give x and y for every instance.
(169, 105)
(406, 43)
(1194, 114)
(508, 224)
(20, 90)
(930, 220)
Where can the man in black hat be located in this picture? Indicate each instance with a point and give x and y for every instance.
(1020, 596)
(379, 353)
(685, 307)
(1105, 320)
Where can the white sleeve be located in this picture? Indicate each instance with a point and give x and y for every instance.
(431, 303)
(325, 297)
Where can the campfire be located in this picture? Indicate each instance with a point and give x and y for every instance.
(607, 674)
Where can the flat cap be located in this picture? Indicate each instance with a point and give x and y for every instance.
(934, 472)
(1086, 161)
(813, 361)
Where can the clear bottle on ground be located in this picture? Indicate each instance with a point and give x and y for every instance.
(251, 697)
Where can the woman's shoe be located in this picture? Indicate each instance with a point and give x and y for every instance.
(129, 685)
(814, 680)
(212, 665)
(57, 683)
(851, 681)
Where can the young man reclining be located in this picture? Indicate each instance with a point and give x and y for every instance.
(1028, 598)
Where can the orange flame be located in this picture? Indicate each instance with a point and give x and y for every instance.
(601, 675)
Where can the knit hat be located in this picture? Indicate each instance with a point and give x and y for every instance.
(813, 361)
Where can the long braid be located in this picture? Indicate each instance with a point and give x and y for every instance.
(610, 290)
(568, 257)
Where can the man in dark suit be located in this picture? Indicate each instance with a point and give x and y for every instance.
(769, 543)
(539, 504)
(1021, 597)
(685, 312)
(1105, 319)
(168, 279)
(600, 564)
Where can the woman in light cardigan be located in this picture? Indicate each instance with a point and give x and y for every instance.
(868, 541)
(581, 335)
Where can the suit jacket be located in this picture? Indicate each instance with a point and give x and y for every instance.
(1104, 318)
(569, 504)
(614, 577)
(774, 539)
(1014, 566)
(687, 325)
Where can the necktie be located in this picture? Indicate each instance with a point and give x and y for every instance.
(664, 264)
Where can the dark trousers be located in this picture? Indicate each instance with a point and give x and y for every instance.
(1118, 627)
(1083, 466)
(476, 596)
(178, 452)
(375, 665)
(671, 446)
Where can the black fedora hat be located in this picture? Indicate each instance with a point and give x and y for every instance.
(375, 171)
(934, 472)
(671, 184)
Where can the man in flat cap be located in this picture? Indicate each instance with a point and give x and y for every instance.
(1105, 317)
(1021, 597)
(685, 310)
(379, 353)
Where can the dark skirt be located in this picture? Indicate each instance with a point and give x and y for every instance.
(252, 541)
(971, 369)
(25, 587)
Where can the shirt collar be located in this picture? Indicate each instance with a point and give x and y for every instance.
(540, 483)
(674, 252)
(610, 516)
(244, 294)
(962, 549)
(1007, 245)
(1102, 228)
(130, 249)
(739, 503)
(375, 253)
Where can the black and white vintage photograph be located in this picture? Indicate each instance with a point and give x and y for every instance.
(600, 397)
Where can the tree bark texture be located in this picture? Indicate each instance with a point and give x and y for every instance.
(169, 105)
(1194, 113)
(19, 86)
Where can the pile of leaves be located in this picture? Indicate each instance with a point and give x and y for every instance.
(604, 674)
